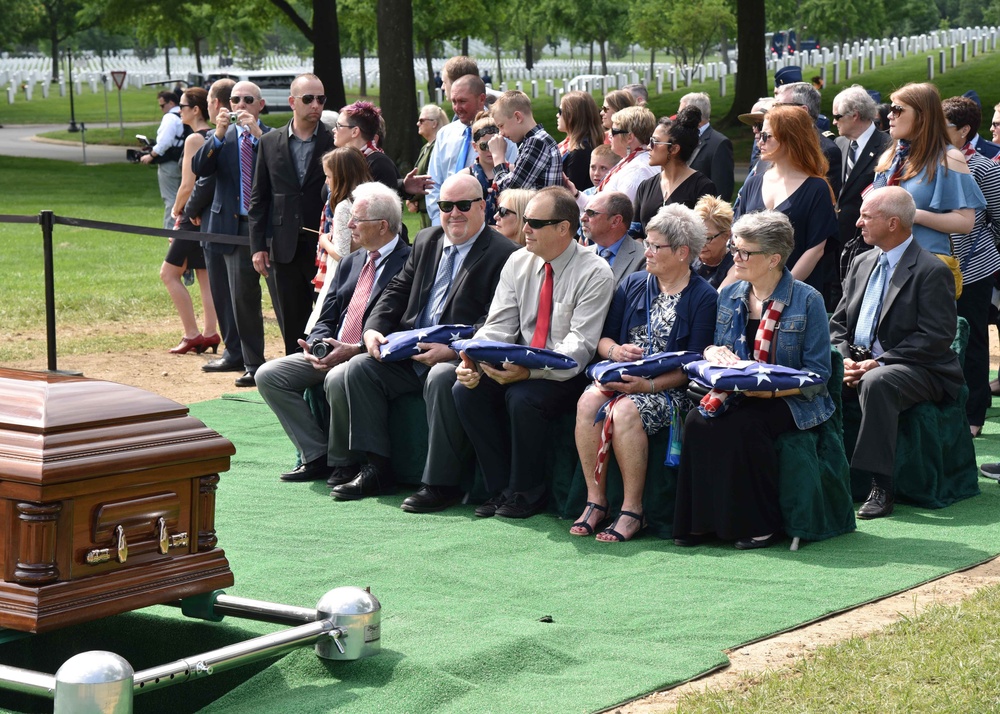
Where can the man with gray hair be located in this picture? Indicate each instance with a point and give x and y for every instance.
(714, 154)
(861, 145)
(375, 221)
(605, 222)
(803, 94)
(640, 93)
(894, 327)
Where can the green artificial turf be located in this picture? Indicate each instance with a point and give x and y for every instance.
(464, 598)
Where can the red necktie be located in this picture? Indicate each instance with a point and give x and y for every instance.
(351, 334)
(246, 167)
(544, 320)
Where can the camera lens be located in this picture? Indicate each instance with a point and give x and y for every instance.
(320, 349)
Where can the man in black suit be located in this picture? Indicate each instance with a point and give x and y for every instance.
(894, 327)
(376, 217)
(714, 154)
(286, 203)
(229, 156)
(449, 278)
(861, 144)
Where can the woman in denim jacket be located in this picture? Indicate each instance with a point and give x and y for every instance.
(728, 479)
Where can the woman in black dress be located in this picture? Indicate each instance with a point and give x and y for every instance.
(579, 118)
(670, 148)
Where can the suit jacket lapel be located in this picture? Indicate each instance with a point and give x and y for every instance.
(900, 275)
(475, 255)
(388, 273)
(623, 259)
(701, 143)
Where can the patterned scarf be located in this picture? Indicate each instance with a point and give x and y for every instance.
(968, 150)
(717, 401)
(370, 148)
(618, 167)
(563, 146)
(892, 176)
(325, 226)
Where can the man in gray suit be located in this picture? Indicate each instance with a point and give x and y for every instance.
(605, 222)
(894, 327)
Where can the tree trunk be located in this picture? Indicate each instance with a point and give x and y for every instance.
(590, 69)
(363, 91)
(529, 52)
(604, 58)
(398, 98)
(54, 39)
(496, 46)
(431, 94)
(652, 62)
(751, 68)
(326, 52)
(724, 47)
(197, 54)
(465, 46)
(166, 56)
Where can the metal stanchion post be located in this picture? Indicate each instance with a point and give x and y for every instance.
(45, 219)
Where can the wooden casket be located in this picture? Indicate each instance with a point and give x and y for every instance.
(107, 501)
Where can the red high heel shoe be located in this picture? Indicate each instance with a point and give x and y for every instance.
(196, 343)
(211, 342)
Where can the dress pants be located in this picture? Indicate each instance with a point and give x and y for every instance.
(218, 282)
(371, 385)
(295, 292)
(883, 394)
(281, 383)
(244, 288)
(974, 306)
(509, 427)
(168, 176)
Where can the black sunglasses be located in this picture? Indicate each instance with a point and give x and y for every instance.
(248, 100)
(463, 206)
(591, 212)
(185, 106)
(484, 145)
(619, 132)
(763, 137)
(838, 117)
(503, 212)
(539, 223)
(310, 98)
(896, 110)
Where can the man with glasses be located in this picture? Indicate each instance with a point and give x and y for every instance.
(449, 278)
(167, 152)
(605, 222)
(230, 156)
(376, 217)
(286, 203)
(554, 294)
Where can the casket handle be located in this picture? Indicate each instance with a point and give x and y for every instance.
(103, 555)
(167, 541)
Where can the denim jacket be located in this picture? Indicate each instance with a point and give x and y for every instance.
(802, 340)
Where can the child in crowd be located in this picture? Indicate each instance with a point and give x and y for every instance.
(538, 162)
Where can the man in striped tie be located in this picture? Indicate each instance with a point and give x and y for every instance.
(361, 277)
(894, 327)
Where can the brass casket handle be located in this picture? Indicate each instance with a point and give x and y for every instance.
(119, 553)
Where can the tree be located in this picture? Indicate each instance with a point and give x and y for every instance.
(395, 59)
(751, 76)
(436, 20)
(842, 20)
(693, 26)
(324, 34)
(53, 20)
(356, 23)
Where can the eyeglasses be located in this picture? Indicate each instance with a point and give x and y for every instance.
(503, 212)
(344, 126)
(653, 143)
(653, 247)
(838, 117)
(354, 219)
(711, 238)
(421, 120)
(185, 106)
(605, 109)
(619, 132)
(248, 100)
(743, 255)
(763, 137)
(310, 98)
(162, 105)
(558, 112)
(590, 212)
(896, 110)
(463, 206)
(539, 223)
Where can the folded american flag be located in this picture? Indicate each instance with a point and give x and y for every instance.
(648, 367)
(403, 345)
(499, 353)
(747, 376)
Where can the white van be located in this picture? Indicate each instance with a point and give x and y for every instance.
(275, 87)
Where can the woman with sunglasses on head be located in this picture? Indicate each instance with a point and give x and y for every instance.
(510, 211)
(664, 308)
(579, 118)
(358, 126)
(794, 184)
(670, 147)
(187, 254)
(614, 102)
(727, 484)
(482, 168)
(923, 161)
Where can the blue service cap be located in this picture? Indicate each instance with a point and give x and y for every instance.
(787, 75)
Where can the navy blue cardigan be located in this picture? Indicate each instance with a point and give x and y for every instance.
(694, 325)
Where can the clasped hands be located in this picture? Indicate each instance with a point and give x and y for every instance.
(854, 371)
(468, 373)
(340, 353)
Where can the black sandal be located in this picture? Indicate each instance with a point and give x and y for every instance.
(610, 530)
(583, 522)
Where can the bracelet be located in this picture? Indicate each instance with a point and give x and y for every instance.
(652, 387)
(611, 353)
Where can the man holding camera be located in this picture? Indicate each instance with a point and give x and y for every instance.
(375, 223)
(167, 152)
(894, 327)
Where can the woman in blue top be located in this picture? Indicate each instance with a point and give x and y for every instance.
(665, 308)
(922, 161)
(727, 484)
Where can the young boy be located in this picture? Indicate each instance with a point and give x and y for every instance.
(538, 162)
(602, 160)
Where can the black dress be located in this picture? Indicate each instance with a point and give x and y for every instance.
(649, 196)
(189, 252)
(576, 165)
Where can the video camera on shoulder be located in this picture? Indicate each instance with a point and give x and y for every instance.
(134, 156)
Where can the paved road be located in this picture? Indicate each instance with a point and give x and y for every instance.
(19, 141)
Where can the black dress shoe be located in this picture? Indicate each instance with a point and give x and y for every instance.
(879, 504)
(246, 380)
(343, 474)
(369, 482)
(313, 471)
(429, 499)
(489, 509)
(222, 365)
(754, 543)
(518, 506)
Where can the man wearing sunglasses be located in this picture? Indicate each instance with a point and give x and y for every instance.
(167, 151)
(555, 294)
(449, 278)
(605, 222)
(286, 203)
(230, 155)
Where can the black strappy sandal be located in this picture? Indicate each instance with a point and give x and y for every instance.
(583, 522)
(618, 537)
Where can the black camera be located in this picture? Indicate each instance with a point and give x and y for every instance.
(860, 354)
(320, 349)
(134, 156)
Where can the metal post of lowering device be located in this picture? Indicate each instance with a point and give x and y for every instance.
(346, 625)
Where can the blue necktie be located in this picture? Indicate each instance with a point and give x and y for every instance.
(871, 304)
(439, 291)
(463, 154)
(606, 254)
